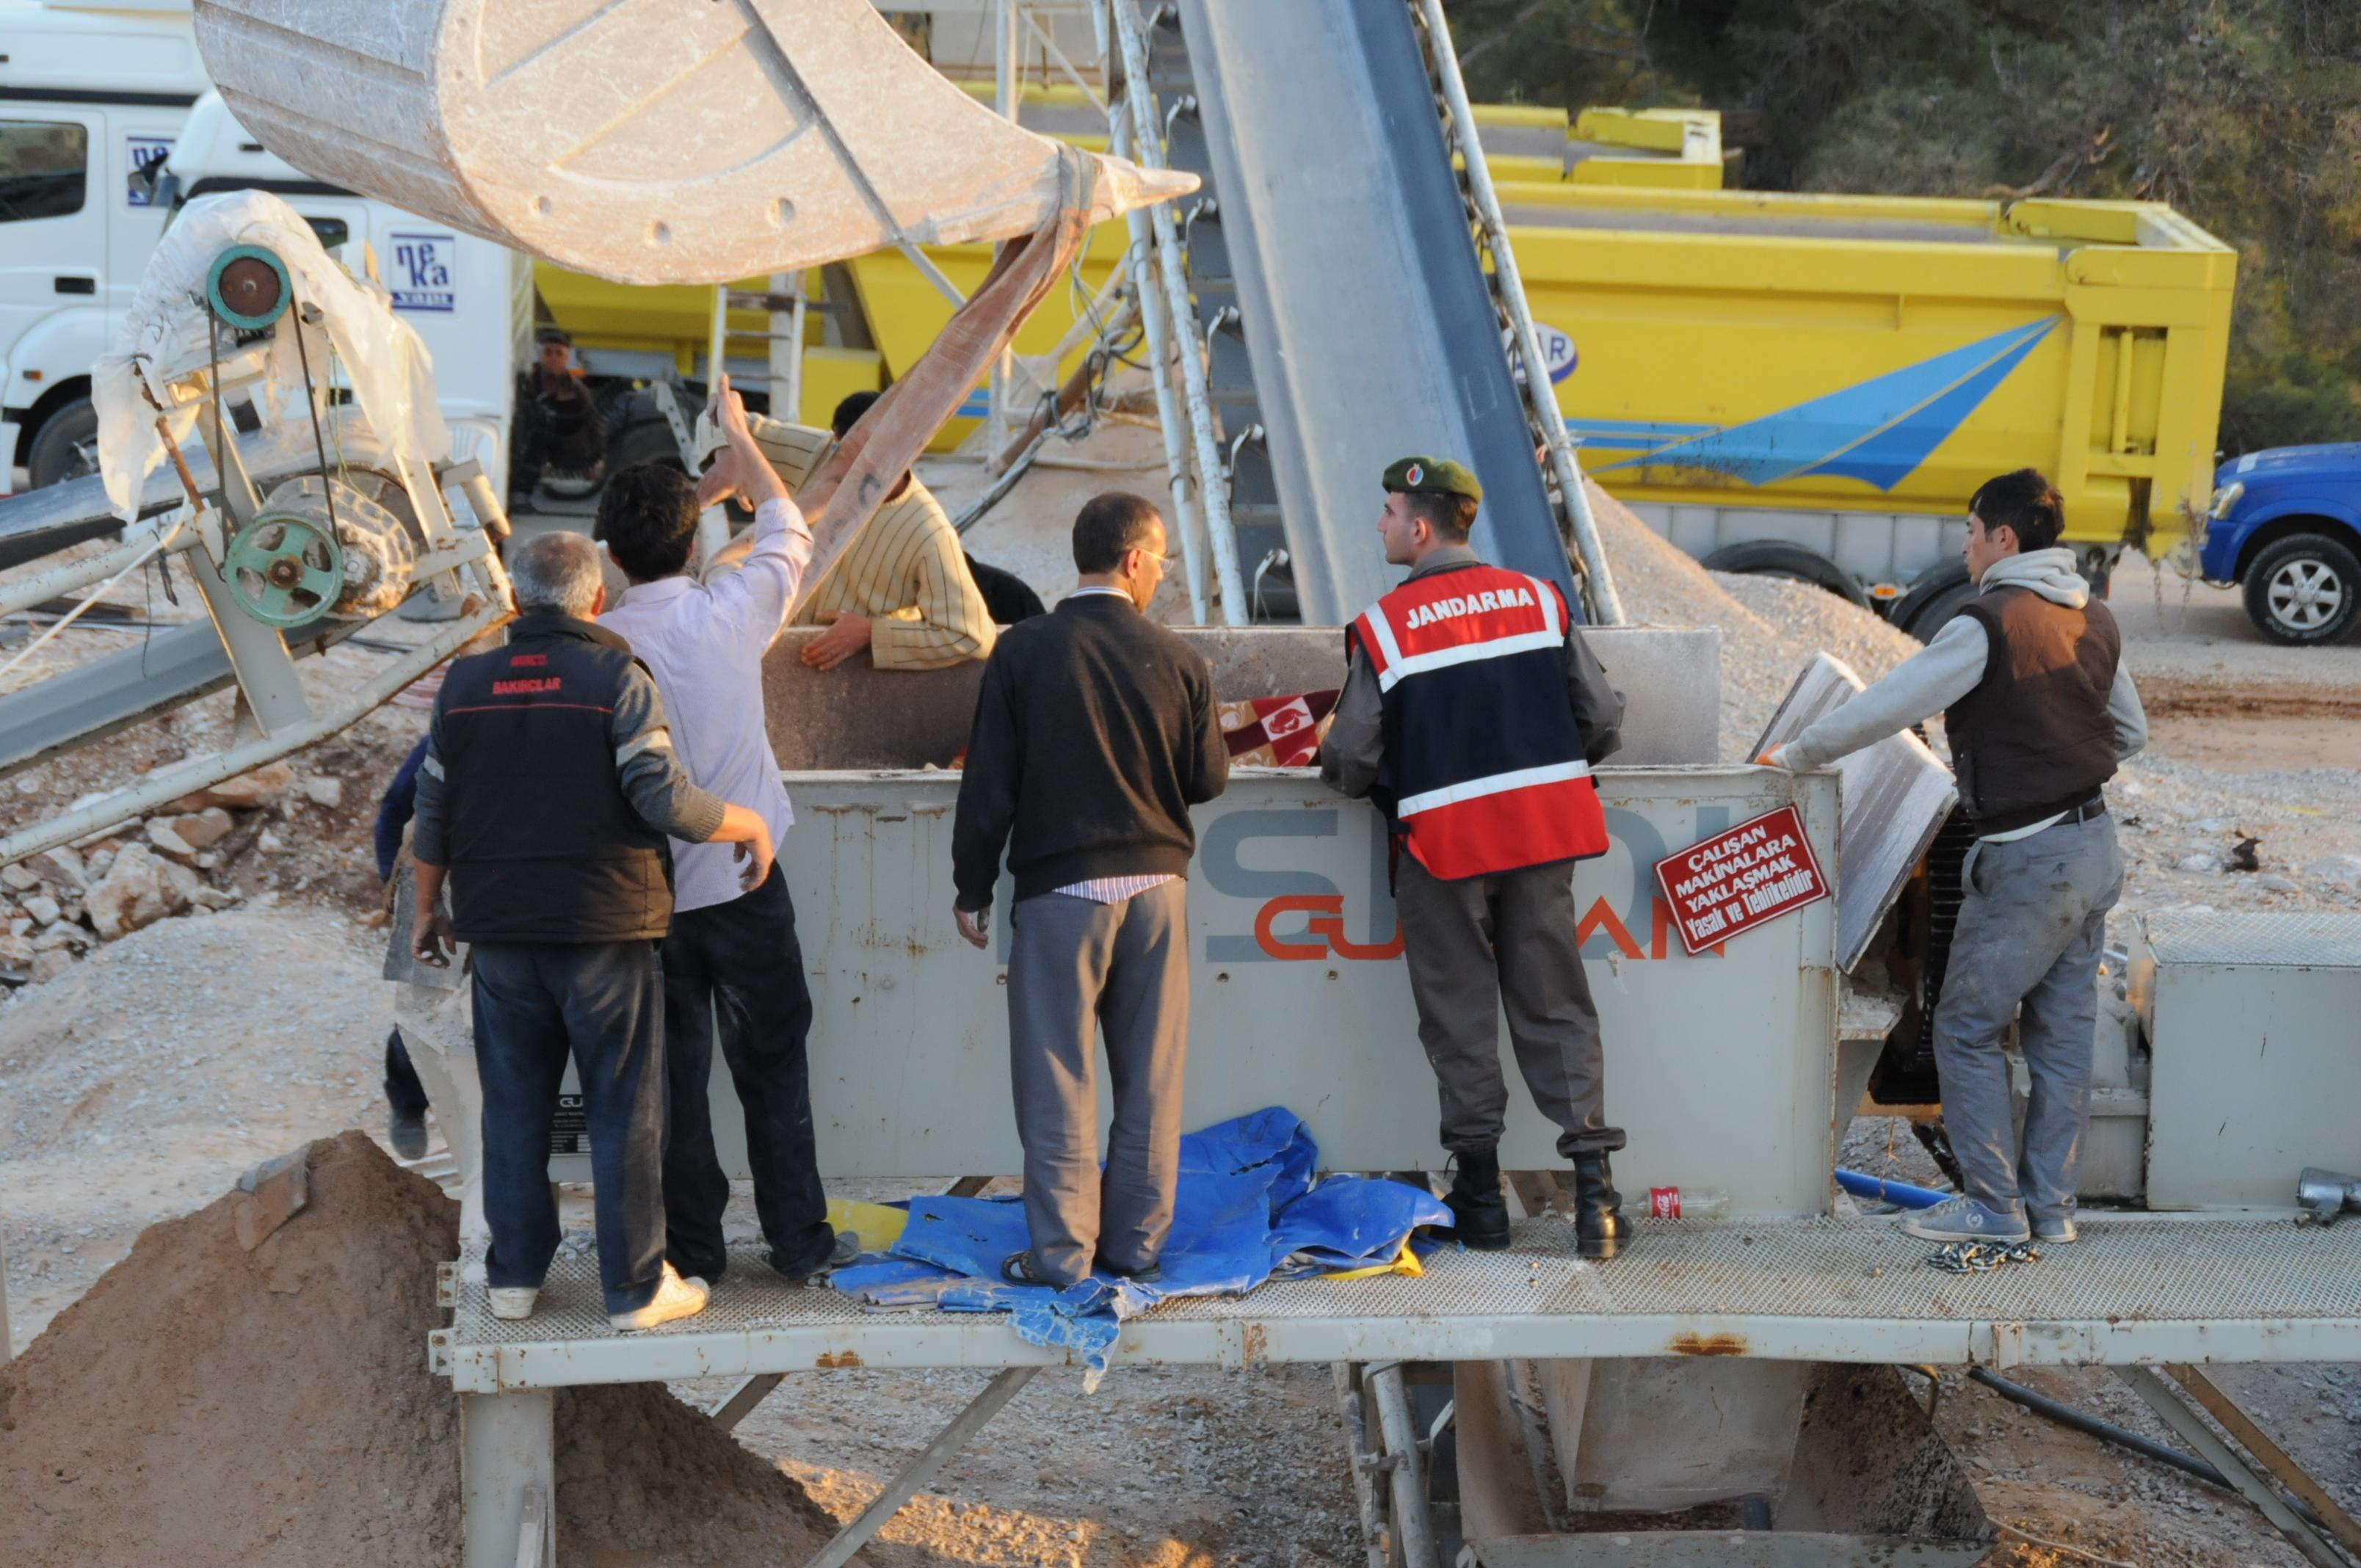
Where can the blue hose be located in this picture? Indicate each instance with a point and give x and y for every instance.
(1879, 1189)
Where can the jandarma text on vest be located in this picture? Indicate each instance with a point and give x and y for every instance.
(1473, 604)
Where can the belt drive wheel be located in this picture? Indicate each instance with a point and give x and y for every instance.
(247, 288)
(285, 569)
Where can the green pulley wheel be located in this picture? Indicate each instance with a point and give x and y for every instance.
(247, 288)
(285, 569)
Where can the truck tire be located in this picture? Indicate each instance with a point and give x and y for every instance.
(2303, 589)
(66, 446)
(1796, 562)
(1934, 597)
(645, 443)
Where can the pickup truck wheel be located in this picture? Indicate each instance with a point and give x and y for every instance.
(66, 446)
(2303, 589)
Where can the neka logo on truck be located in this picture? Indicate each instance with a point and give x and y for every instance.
(421, 273)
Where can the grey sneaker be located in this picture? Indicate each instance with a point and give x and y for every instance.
(1963, 1218)
(842, 1251)
(2055, 1229)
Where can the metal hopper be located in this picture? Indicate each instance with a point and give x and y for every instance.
(649, 141)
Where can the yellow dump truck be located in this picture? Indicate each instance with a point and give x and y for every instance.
(1814, 384)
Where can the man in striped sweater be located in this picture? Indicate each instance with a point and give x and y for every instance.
(902, 589)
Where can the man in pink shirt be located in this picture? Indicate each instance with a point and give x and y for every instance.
(733, 955)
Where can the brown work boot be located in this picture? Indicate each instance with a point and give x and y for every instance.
(1599, 1227)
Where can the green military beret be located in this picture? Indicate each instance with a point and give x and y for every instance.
(1433, 477)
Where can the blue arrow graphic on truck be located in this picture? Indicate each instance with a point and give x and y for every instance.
(1877, 431)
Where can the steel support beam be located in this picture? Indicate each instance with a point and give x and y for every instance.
(2149, 1384)
(506, 1458)
(1413, 1529)
(923, 1469)
(2275, 1459)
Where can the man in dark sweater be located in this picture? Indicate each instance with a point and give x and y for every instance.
(1095, 731)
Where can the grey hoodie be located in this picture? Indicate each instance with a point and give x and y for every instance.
(1948, 668)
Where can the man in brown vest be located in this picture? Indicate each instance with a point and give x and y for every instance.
(2038, 709)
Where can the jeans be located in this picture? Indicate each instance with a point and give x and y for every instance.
(740, 962)
(2033, 920)
(536, 1001)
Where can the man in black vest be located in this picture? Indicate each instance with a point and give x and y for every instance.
(546, 793)
(2038, 709)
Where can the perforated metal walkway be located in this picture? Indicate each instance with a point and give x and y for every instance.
(2135, 1289)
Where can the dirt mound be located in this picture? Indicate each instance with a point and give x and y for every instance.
(214, 1406)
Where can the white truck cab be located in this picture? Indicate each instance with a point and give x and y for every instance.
(89, 92)
(94, 92)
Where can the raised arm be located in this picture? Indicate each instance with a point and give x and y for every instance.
(772, 556)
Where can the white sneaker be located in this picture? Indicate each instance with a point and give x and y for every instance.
(675, 1299)
(510, 1302)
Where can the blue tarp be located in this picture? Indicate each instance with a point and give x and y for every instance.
(1246, 1205)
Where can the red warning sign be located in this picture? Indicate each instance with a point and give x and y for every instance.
(1744, 877)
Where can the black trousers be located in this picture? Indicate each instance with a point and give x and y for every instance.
(740, 962)
(403, 1093)
(602, 1002)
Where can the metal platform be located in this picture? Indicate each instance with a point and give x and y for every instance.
(2137, 1289)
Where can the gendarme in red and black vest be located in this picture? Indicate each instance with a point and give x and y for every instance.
(1484, 770)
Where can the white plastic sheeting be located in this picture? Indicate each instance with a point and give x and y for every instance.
(169, 331)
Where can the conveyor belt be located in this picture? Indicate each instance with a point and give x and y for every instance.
(2137, 1289)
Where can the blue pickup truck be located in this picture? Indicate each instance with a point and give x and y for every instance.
(2285, 527)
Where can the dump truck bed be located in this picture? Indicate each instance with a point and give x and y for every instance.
(1881, 354)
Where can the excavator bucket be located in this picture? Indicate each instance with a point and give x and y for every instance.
(649, 141)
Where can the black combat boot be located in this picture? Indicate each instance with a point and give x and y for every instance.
(1479, 1211)
(1599, 1227)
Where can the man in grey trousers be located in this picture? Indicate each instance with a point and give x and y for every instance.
(1095, 731)
(2038, 709)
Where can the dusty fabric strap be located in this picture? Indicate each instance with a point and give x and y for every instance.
(848, 489)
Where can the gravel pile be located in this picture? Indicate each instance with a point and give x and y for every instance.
(1770, 627)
